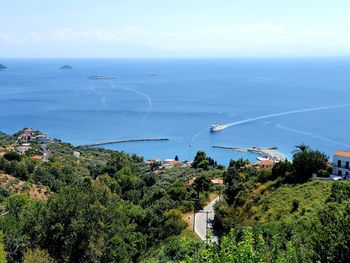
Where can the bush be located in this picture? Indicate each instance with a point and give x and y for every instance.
(295, 205)
(12, 156)
(174, 223)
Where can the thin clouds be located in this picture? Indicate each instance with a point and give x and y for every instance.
(124, 35)
(242, 39)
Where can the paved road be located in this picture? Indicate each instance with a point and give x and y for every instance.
(46, 152)
(201, 220)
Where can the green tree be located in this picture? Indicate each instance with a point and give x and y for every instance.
(307, 162)
(202, 183)
(281, 168)
(174, 223)
(37, 255)
(200, 160)
(12, 156)
(238, 164)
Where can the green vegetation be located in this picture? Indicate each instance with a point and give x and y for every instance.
(280, 215)
(107, 206)
(6, 139)
(2, 249)
(101, 206)
(287, 203)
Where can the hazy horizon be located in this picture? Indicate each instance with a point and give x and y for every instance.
(181, 29)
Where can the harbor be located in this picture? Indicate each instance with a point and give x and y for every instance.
(122, 141)
(269, 153)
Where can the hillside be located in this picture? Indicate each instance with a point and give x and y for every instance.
(12, 184)
(94, 205)
(268, 205)
(6, 139)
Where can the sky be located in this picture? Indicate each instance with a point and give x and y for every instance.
(174, 28)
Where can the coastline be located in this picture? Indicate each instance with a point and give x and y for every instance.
(271, 153)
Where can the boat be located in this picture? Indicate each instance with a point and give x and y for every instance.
(217, 127)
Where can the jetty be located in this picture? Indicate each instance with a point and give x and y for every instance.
(122, 141)
(270, 152)
(236, 149)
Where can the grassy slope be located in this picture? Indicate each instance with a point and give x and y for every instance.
(2, 250)
(266, 205)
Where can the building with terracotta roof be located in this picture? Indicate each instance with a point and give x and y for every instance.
(37, 157)
(341, 163)
(264, 164)
(2, 154)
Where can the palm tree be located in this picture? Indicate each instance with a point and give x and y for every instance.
(300, 148)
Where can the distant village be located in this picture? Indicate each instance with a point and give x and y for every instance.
(29, 140)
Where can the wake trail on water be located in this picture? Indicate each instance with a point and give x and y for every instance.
(192, 139)
(148, 98)
(312, 135)
(268, 116)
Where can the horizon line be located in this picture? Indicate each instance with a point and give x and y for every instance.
(193, 57)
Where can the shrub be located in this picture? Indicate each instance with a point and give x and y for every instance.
(295, 205)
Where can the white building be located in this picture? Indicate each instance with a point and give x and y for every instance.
(341, 163)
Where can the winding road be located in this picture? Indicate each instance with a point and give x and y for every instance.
(201, 221)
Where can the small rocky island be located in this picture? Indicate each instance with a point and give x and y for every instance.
(3, 67)
(100, 77)
(66, 67)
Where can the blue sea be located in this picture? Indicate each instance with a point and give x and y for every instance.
(282, 103)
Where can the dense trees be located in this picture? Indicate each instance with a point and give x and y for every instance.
(12, 156)
(202, 183)
(306, 162)
(203, 162)
(105, 207)
(109, 207)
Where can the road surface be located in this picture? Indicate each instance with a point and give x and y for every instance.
(46, 152)
(201, 222)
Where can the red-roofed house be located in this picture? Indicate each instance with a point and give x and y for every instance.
(264, 164)
(341, 163)
(2, 154)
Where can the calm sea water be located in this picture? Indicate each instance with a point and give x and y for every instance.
(180, 99)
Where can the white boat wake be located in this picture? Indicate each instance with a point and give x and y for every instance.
(268, 116)
(312, 135)
(196, 135)
(148, 98)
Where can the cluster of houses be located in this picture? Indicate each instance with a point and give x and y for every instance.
(29, 135)
(25, 138)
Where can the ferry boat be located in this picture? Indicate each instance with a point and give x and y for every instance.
(217, 127)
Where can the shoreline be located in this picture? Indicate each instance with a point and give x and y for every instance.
(271, 152)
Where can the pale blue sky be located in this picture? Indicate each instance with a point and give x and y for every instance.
(174, 28)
